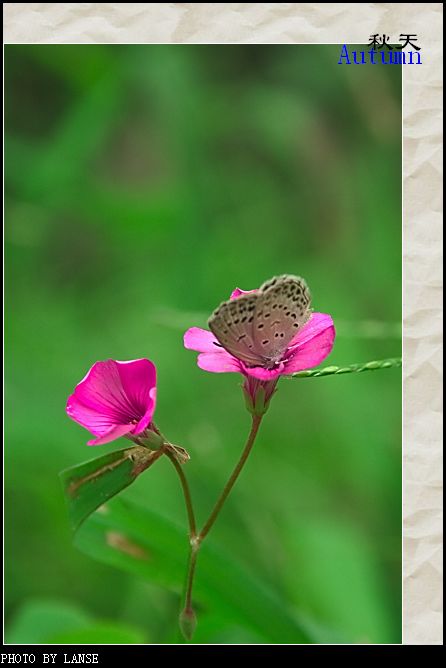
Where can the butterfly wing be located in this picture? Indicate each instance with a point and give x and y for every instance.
(232, 324)
(282, 308)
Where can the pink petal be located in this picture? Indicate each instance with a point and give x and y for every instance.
(112, 434)
(138, 379)
(201, 340)
(312, 351)
(219, 362)
(264, 374)
(89, 418)
(102, 391)
(317, 323)
(147, 417)
(238, 293)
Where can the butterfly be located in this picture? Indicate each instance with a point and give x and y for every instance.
(258, 327)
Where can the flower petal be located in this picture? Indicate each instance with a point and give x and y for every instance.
(147, 417)
(112, 434)
(201, 340)
(238, 293)
(102, 391)
(317, 323)
(311, 351)
(138, 381)
(89, 418)
(264, 374)
(219, 362)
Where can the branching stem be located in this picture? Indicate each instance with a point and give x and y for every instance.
(196, 540)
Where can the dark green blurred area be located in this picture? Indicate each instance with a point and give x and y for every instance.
(144, 183)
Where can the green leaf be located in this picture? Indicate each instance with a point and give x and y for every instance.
(38, 619)
(62, 622)
(147, 545)
(104, 633)
(89, 485)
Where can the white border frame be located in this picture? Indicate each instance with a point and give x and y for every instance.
(305, 23)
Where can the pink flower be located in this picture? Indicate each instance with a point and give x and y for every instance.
(309, 347)
(115, 399)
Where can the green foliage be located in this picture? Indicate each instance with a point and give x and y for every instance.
(143, 183)
(142, 542)
(92, 483)
(57, 622)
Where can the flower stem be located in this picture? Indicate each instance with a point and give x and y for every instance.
(187, 495)
(197, 539)
(195, 546)
(256, 420)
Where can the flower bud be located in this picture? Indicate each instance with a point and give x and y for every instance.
(188, 623)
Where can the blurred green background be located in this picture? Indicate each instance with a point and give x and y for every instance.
(143, 183)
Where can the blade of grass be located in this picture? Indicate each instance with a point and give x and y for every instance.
(390, 363)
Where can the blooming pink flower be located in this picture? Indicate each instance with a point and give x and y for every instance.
(309, 347)
(115, 399)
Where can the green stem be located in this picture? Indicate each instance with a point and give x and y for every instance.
(195, 546)
(256, 420)
(198, 539)
(187, 495)
(389, 363)
(187, 616)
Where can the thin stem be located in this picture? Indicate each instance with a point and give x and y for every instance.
(389, 363)
(187, 495)
(256, 420)
(197, 539)
(195, 546)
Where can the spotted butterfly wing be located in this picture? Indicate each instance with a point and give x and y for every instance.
(232, 324)
(257, 327)
(282, 308)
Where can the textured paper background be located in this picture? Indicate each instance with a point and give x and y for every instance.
(422, 225)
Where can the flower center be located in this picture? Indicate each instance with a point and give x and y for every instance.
(272, 361)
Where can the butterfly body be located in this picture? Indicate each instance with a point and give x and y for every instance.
(258, 327)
